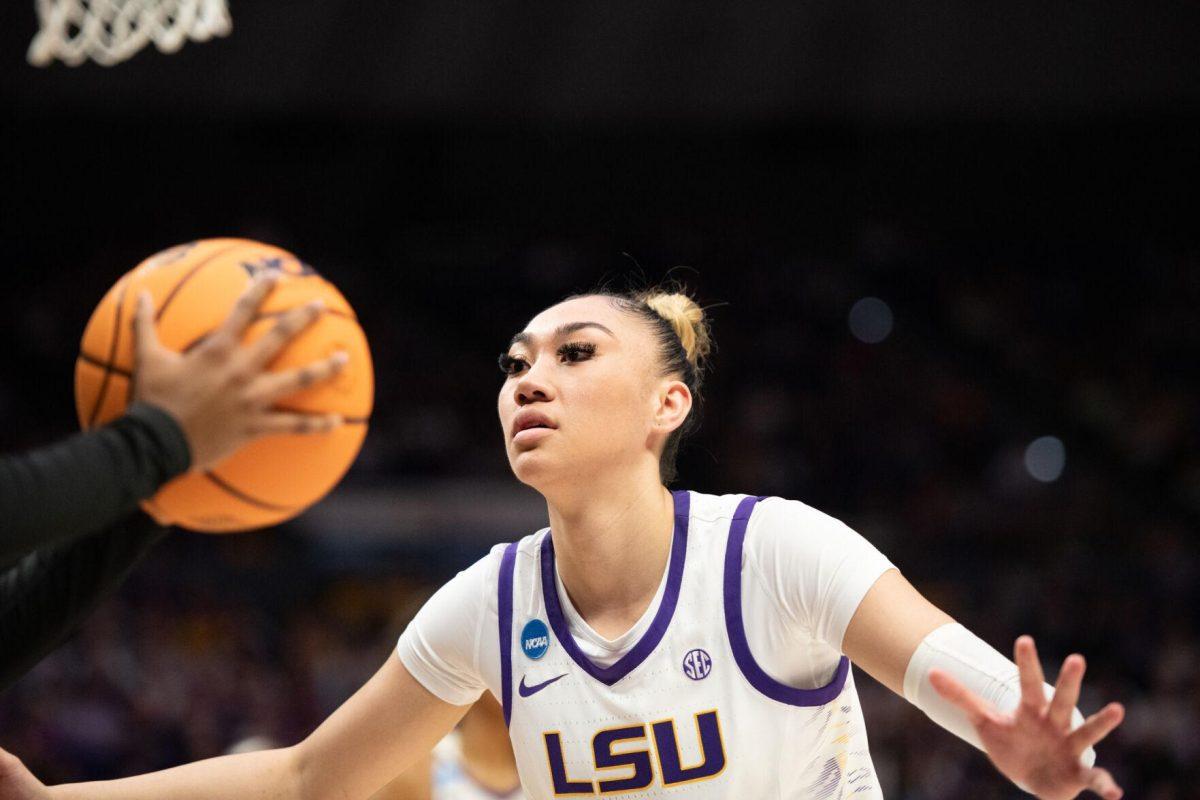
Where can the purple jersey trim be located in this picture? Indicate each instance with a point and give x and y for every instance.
(658, 627)
(759, 679)
(505, 607)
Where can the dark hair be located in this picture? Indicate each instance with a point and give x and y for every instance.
(684, 342)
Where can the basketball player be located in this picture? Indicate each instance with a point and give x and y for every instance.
(473, 762)
(654, 643)
(71, 527)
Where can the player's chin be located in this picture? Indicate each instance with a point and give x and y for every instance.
(533, 466)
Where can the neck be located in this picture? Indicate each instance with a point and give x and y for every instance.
(611, 547)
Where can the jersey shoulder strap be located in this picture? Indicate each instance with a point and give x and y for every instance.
(505, 608)
(736, 628)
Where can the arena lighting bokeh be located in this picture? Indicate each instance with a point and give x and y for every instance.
(871, 320)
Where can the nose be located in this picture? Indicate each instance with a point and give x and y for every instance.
(532, 387)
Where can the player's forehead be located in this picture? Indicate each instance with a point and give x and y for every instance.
(590, 308)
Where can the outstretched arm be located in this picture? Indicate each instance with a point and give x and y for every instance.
(1030, 731)
(385, 726)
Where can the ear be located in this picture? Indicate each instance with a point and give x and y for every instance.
(673, 403)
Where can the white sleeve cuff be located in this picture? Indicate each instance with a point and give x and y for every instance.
(433, 679)
(851, 592)
(960, 653)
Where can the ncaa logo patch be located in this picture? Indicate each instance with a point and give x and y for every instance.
(535, 639)
(697, 664)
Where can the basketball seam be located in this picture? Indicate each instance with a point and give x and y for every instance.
(187, 277)
(99, 362)
(112, 354)
(238, 494)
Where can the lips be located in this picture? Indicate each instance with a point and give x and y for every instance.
(531, 420)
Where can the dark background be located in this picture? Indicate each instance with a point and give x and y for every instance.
(1018, 185)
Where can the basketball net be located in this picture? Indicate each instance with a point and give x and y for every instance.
(110, 31)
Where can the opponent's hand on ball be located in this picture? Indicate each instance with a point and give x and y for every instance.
(17, 782)
(221, 392)
(1034, 746)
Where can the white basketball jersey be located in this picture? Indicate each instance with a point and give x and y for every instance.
(687, 711)
(451, 781)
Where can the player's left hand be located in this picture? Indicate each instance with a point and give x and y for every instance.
(1034, 746)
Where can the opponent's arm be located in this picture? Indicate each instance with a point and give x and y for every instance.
(45, 595)
(1030, 730)
(388, 723)
(82, 485)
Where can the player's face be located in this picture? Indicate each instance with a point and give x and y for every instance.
(579, 396)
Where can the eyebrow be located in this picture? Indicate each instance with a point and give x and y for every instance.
(561, 331)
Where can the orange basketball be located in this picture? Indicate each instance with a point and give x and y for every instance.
(194, 287)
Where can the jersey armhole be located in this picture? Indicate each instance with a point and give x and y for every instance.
(736, 629)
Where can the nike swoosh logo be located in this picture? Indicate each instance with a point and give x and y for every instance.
(529, 691)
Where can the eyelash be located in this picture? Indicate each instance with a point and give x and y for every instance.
(573, 352)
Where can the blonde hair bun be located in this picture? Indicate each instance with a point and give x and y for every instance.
(687, 319)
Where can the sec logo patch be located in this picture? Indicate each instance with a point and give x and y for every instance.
(697, 664)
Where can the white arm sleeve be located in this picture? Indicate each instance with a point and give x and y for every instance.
(955, 650)
(440, 647)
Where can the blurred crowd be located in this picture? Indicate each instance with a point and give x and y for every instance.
(1017, 432)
